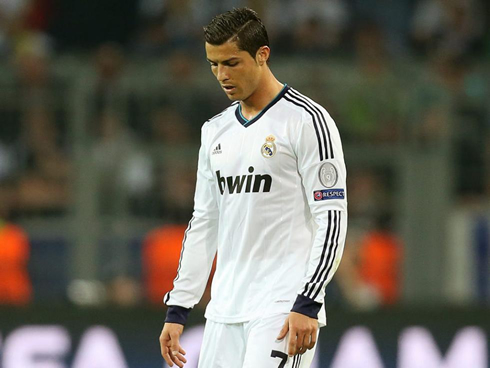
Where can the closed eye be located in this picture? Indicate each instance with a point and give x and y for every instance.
(230, 62)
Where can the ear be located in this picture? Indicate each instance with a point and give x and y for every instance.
(263, 54)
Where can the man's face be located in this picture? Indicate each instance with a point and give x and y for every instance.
(237, 71)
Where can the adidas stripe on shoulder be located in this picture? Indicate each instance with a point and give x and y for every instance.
(325, 148)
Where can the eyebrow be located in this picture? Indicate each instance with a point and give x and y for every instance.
(224, 61)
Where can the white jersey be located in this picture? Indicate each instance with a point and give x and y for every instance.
(271, 202)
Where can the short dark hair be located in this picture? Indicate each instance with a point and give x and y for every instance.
(242, 26)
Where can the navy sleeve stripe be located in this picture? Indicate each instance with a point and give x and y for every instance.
(325, 246)
(329, 253)
(181, 256)
(324, 278)
(320, 148)
(316, 286)
(324, 124)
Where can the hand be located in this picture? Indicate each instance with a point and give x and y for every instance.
(170, 347)
(302, 333)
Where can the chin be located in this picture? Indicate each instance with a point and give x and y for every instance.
(233, 97)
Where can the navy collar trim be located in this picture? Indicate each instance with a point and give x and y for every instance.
(246, 123)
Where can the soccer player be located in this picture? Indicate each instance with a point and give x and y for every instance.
(270, 202)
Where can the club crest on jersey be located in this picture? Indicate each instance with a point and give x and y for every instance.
(269, 147)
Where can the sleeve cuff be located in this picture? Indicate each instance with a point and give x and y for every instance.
(177, 314)
(306, 306)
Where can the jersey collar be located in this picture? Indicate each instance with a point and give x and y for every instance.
(246, 123)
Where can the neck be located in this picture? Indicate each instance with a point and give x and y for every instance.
(265, 92)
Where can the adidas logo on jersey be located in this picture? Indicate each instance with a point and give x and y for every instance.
(217, 149)
(252, 183)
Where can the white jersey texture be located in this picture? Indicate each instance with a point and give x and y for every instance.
(271, 202)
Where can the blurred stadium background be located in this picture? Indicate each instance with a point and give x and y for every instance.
(101, 103)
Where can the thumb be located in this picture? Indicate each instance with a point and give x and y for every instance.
(284, 330)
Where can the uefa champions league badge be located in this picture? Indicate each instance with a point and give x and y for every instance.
(328, 175)
(326, 194)
(269, 147)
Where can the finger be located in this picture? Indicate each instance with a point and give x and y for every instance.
(300, 340)
(178, 363)
(292, 346)
(284, 330)
(176, 351)
(168, 358)
(174, 344)
(179, 356)
(305, 342)
(178, 359)
(312, 343)
(166, 353)
(163, 345)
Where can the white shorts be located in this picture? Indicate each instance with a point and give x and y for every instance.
(251, 344)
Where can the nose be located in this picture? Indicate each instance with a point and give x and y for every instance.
(221, 73)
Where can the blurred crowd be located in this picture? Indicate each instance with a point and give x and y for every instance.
(390, 73)
(155, 27)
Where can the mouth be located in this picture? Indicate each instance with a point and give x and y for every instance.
(228, 88)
